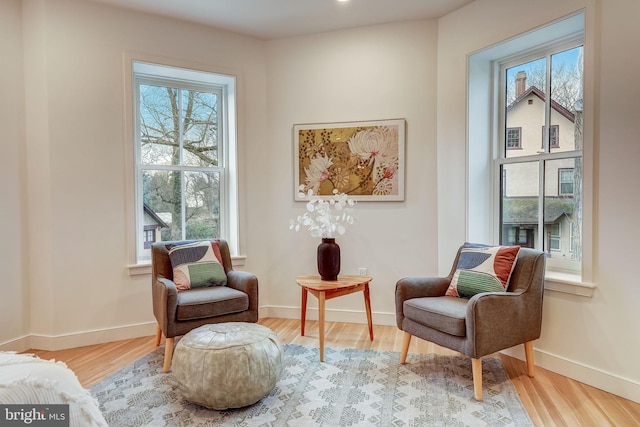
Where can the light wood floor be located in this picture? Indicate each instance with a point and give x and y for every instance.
(549, 398)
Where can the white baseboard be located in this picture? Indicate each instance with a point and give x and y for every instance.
(347, 316)
(18, 344)
(81, 339)
(589, 375)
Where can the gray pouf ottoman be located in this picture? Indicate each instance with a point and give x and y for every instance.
(227, 365)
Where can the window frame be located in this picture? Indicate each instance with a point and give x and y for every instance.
(137, 66)
(560, 182)
(180, 85)
(500, 154)
(482, 140)
(555, 237)
(148, 231)
(515, 147)
(553, 129)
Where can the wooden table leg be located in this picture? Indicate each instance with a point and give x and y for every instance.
(367, 305)
(303, 313)
(321, 299)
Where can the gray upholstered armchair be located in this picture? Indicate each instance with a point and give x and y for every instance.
(480, 325)
(179, 312)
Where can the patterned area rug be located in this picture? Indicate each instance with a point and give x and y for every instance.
(351, 388)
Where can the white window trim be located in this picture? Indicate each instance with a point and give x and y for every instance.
(570, 237)
(557, 237)
(482, 140)
(144, 268)
(500, 155)
(231, 194)
(519, 129)
(560, 182)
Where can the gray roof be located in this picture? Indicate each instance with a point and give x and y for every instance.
(524, 210)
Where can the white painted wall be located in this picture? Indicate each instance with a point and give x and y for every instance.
(77, 159)
(591, 339)
(14, 305)
(379, 72)
(80, 291)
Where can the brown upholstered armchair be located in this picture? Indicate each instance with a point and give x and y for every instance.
(179, 312)
(478, 326)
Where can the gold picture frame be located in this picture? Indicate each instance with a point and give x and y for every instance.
(363, 159)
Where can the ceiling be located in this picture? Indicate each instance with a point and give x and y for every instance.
(271, 19)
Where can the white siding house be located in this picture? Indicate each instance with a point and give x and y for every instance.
(525, 120)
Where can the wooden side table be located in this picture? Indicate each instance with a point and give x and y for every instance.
(325, 290)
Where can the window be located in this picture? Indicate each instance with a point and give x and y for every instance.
(554, 140)
(539, 177)
(513, 138)
(565, 182)
(525, 237)
(519, 236)
(554, 237)
(149, 236)
(183, 141)
(522, 207)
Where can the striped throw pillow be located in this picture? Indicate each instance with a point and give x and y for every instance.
(197, 265)
(483, 270)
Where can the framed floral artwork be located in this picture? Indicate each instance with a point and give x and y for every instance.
(362, 159)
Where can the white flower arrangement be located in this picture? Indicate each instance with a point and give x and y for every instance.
(325, 217)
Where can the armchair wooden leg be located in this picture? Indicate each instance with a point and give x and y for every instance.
(168, 354)
(158, 335)
(528, 352)
(405, 347)
(476, 370)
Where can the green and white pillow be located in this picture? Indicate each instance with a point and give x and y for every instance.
(196, 265)
(483, 270)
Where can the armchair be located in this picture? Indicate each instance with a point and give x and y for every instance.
(483, 324)
(179, 312)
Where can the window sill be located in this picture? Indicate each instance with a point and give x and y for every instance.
(144, 268)
(568, 283)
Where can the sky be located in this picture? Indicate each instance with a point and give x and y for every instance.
(569, 58)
